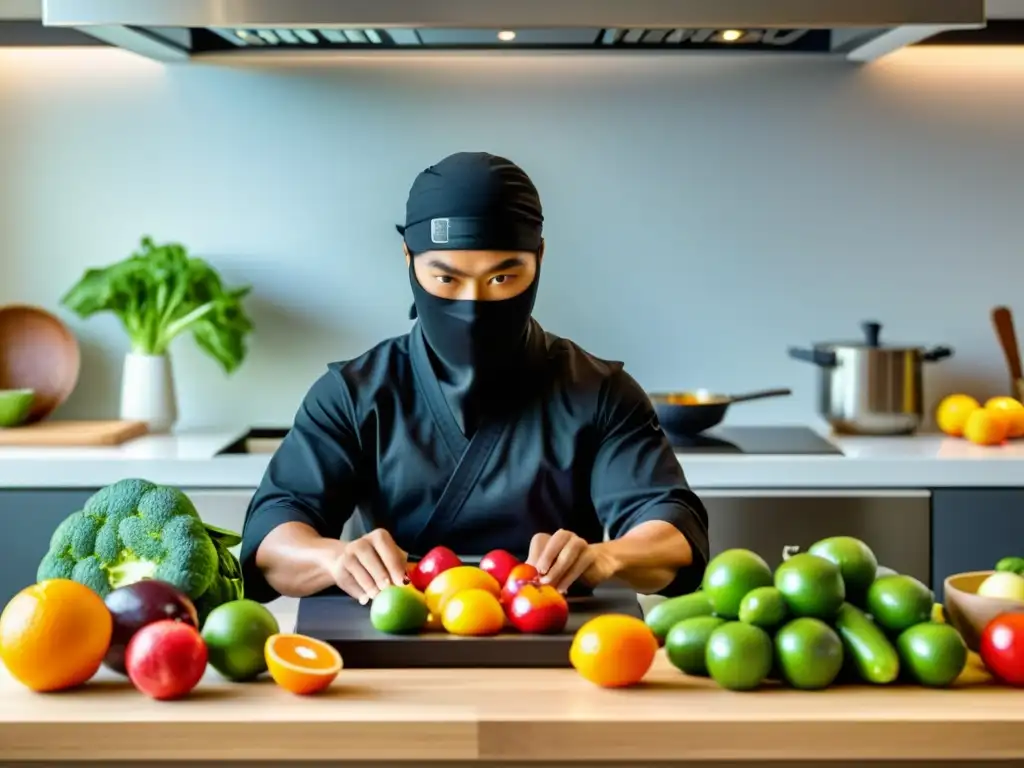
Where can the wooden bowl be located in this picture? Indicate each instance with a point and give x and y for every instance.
(37, 352)
(969, 612)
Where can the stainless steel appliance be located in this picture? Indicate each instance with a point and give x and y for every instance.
(854, 30)
(896, 524)
(869, 388)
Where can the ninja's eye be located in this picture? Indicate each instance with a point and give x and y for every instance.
(501, 279)
(445, 279)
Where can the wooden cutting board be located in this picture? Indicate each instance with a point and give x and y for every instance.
(72, 433)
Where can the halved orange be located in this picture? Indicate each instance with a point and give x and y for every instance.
(301, 664)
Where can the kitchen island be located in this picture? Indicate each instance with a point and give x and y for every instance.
(504, 716)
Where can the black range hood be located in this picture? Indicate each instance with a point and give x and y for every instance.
(181, 30)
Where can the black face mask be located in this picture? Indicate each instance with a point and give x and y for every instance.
(481, 338)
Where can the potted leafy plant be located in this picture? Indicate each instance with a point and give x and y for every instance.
(159, 293)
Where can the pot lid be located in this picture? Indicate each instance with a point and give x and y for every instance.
(872, 340)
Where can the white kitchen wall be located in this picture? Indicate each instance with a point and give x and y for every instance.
(702, 213)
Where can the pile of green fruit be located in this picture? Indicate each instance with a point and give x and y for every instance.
(829, 615)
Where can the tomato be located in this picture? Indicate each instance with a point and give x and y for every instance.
(473, 612)
(1002, 648)
(538, 610)
(613, 650)
(456, 580)
(436, 561)
(499, 564)
(518, 577)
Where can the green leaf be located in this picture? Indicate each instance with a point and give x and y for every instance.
(160, 292)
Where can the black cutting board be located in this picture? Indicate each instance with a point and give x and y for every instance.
(345, 624)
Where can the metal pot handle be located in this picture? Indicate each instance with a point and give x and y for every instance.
(819, 357)
(936, 354)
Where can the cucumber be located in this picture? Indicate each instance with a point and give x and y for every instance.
(666, 614)
(874, 656)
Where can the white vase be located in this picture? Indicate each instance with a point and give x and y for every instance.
(147, 391)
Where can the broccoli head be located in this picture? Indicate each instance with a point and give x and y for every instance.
(129, 531)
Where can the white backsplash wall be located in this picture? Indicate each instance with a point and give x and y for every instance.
(703, 214)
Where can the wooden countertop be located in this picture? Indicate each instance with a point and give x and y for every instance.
(511, 715)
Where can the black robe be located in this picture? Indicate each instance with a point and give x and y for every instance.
(576, 446)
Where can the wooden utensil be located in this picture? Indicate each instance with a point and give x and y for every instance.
(66, 434)
(1002, 319)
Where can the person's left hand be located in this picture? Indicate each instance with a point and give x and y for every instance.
(563, 557)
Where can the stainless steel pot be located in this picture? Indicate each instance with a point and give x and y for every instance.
(866, 388)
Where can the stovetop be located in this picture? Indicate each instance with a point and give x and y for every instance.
(756, 440)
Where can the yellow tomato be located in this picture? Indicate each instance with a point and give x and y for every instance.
(449, 583)
(473, 612)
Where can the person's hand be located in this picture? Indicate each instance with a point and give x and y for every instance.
(563, 557)
(369, 564)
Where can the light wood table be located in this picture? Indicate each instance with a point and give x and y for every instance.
(499, 716)
(505, 716)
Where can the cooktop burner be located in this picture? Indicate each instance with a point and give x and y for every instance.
(755, 440)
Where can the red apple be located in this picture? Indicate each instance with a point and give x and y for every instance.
(438, 560)
(166, 659)
(538, 610)
(135, 605)
(518, 577)
(499, 564)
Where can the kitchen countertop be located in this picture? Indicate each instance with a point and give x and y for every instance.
(188, 460)
(496, 715)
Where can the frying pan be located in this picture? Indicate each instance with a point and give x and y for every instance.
(690, 413)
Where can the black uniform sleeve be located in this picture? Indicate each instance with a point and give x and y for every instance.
(637, 477)
(311, 477)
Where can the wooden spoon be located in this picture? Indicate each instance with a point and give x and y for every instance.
(1002, 319)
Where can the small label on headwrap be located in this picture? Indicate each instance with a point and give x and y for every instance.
(439, 230)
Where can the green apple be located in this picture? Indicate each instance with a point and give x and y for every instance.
(1008, 586)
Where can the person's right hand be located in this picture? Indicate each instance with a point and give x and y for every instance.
(369, 564)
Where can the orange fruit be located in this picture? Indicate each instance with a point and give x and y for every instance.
(1013, 409)
(952, 413)
(473, 612)
(987, 427)
(458, 579)
(301, 664)
(613, 650)
(54, 635)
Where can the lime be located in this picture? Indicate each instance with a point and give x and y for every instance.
(809, 654)
(686, 644)
(235, 634)
(899, 602)
(763, 607)
(932, 654)
(738, 656)
(856, 561)
(812, 586)
(1011, 564)
(399, 610)
(730, 575)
